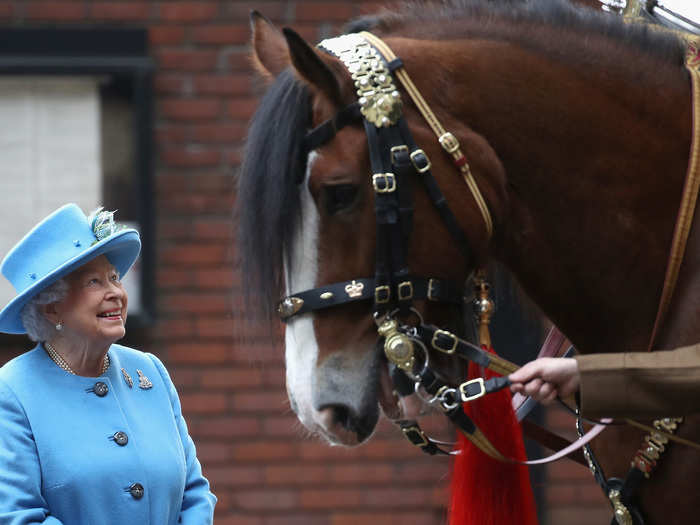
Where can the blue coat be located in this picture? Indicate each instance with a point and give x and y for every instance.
(62, 460)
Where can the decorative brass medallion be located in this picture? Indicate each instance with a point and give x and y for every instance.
(380, 101)
(289, 306)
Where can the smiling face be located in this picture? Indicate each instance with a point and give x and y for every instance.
(94, 311)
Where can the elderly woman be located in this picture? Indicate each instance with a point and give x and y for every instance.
(90, 431)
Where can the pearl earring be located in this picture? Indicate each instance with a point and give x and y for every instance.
(59, 326)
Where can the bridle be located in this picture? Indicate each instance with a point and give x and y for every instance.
(396, 161)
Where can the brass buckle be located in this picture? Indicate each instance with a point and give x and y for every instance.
(405, 290)
(430, 290)
(449, 142)
(463, 389)
(395, 150)
(377, 294)
(415, 154)
(389, 182)
(415, 435)
(435, 345)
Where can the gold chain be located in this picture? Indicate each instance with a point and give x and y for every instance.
(58, 359)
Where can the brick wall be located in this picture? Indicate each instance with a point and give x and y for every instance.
(229, 370)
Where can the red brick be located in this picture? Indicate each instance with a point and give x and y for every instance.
(174, 278)
(332, 499)
(231, 378)
(170, 134)
(160, 35)
(197, 353)
(233, 34)
(186, 59)
(167, 329)
(203, 403)
(188, 11)
(191, 303)
(242, 108)
(225, 133)
(214, 228)
(236, 519)
(296, 474)
(260, 402)
(229, 427)
(58, 11)
(191, 157)
(364, 473)
(193, 204)
(230, 84)
(252, 353)
(128, 11)
(208, 452)
(214, 278)
(228, 476)
(214, 328)
(193, 253)
(398, 517)
(272, 10)
(282, 426)
(235, 84)
(171, 83)
(240, 61)
(190, 109)
(266, 499)
(323, 11)
(576, 493)
(263, 450)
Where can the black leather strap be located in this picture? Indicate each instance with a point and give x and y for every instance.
(363, 289)
(325, 131)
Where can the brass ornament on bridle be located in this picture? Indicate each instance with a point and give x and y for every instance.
(380, 101)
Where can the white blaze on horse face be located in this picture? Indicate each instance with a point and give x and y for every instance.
(301, 347)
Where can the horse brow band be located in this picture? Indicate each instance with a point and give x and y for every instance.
(325, 131)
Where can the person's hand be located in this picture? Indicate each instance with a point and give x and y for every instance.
(546, 378)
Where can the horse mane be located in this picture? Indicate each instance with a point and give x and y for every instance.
(267, 201)
(268, 195)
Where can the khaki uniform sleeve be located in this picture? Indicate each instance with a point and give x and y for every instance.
(641, 384)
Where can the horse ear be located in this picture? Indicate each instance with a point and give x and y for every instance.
(312, 67)
(270, 50)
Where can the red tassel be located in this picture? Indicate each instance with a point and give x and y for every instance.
(486, 491)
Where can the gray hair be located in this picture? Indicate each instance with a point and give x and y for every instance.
(38, 327)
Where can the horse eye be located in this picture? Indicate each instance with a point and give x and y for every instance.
(339, 197)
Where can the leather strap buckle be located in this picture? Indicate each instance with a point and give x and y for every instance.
(431, 284)
(464, 389)
(382, 294)
(420, 161)
(405, 290)
(384, 182)
(444, 335)
(415, 435)
(395, 151)
(448, 142)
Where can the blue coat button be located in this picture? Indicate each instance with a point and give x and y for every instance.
(100, 389)
(120, 438)
(136, 491)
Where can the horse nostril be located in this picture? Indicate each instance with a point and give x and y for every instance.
(343, 416)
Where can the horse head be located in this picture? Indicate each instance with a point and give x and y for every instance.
(308, 219)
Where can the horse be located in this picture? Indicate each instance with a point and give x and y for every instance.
(577, 130)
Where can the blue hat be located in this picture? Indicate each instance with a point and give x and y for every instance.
(55, 247)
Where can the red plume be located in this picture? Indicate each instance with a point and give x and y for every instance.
(486, 491)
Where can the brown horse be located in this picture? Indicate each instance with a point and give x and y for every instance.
(577, 128)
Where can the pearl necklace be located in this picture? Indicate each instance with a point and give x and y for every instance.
(58, 359)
